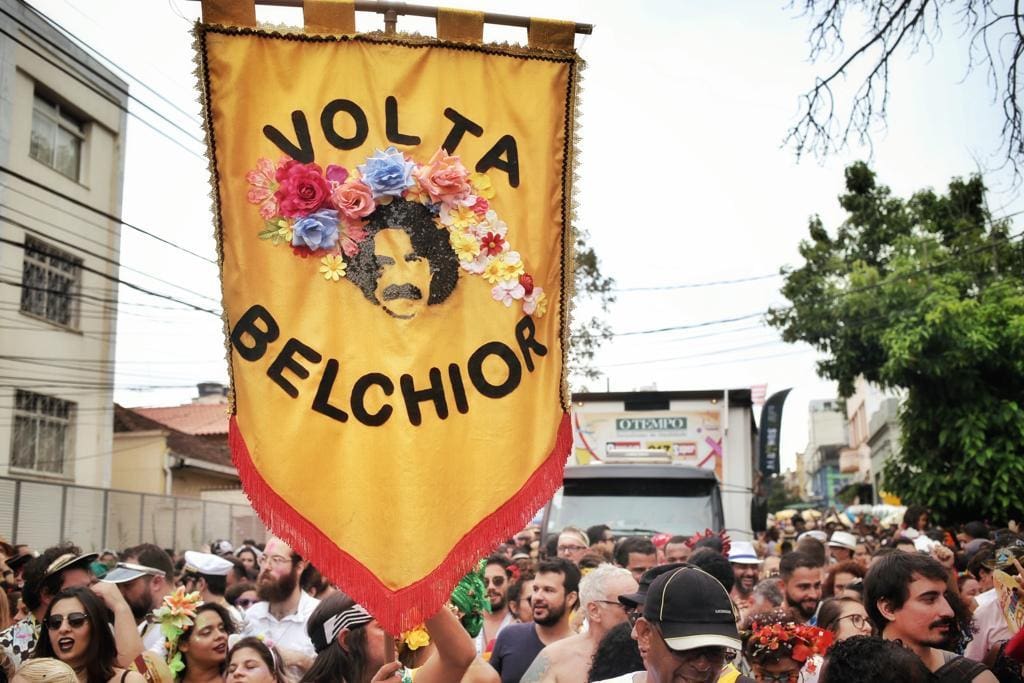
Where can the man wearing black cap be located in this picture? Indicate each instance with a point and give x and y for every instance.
(687, 631)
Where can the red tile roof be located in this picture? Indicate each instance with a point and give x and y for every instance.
(213, 450)
(199, 419)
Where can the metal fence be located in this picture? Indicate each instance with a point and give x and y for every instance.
(41, 514)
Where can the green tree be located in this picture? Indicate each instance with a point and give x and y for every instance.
(927, 295)
(592, 298)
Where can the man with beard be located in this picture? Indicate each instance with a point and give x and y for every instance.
(497, 578)
(800, 575)
(555, 594)
(284, 608)
(569, 660)
(144, 577)
(746, 567)
(904, 595)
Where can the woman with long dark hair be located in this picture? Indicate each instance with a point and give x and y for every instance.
(252, 661)
(350, 646)
(204, 644)
(77, 632)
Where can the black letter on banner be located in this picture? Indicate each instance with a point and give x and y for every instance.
(322, 402)
(413, 398)
(525, 331)
(260, 338)
(391, 124)
(458, 388)
(286, 361)
(358, 117)
(359, 396)
(510, 165)
(461, 127)
(475, 368)
(304, 152)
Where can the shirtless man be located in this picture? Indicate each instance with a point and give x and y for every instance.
(568, 661)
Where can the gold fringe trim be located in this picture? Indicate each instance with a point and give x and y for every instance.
(569, 230)
(199, 57)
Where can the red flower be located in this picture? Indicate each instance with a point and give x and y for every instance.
(302, 188)
(526, 280)
(801, 652)
(492, 245)
(301, 250)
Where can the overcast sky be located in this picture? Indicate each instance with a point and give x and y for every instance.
(688, 100)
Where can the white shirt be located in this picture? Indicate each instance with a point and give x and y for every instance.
(290, 632)
(153, 639)
(990, 628)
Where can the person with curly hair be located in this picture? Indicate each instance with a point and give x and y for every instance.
(871, 658)
(204, 644)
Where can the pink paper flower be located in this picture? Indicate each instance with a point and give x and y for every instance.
(261, 188)
(508, 291)
(481, 207)
(445, 178)
(302, 188)
(352, 233)
(353, 199)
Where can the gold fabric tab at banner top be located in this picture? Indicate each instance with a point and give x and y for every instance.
(459, 25)
(551, 34)
(229, 12)
(329, 16)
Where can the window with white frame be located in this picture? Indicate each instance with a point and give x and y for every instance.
(56, 138)
(50, 283)
(41, 439)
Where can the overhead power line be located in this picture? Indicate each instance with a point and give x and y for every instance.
(101, 212)
(699, 285)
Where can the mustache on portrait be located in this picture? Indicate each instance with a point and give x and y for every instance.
(403, 291)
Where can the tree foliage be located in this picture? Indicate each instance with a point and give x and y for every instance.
(592, 289)
(924, 294)
(992, 29)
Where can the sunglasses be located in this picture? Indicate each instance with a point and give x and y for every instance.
(498, 581)
(75, 620)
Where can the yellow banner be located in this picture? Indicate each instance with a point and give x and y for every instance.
(393, 225)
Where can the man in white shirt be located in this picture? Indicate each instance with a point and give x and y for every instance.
(284, 607)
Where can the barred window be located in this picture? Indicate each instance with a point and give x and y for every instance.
(42, 432)
(56, 138)
(50, 283)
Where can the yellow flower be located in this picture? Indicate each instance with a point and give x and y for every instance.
(464, 244)
(333, 267)
(494, 271)
(416, 638)
(482, 184)
(463, 217)
(417, 194)
(542, 305)
(512, 271)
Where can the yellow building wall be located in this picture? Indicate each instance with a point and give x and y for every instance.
(138, 461)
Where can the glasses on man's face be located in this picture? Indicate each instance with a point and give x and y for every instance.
(75, 620)
(616, 603)
(858, 620)
(274, 560)
(498, 581)
(717, 656)
(565, 549)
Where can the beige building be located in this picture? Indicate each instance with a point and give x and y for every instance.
(62, 134)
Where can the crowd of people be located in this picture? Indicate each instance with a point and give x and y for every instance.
(835, 601)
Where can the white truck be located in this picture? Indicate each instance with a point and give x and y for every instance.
(650, 462)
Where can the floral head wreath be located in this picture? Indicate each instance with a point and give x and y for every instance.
(776, 640)
(708, 533)
(175, 615)
(324, 213)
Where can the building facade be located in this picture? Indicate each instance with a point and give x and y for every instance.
(826, 437)
(62, 135)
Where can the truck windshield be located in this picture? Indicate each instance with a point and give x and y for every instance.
(675, 506)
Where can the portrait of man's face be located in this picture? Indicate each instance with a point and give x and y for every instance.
(405, 263)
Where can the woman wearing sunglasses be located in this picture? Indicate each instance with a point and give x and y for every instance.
(77, 632)
(845, 618)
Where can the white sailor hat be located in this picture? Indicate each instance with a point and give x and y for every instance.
(206, 563)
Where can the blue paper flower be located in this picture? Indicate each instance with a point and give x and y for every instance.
(387, 173)
(318, 230)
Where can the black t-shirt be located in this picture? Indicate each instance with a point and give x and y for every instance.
(514, 651)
